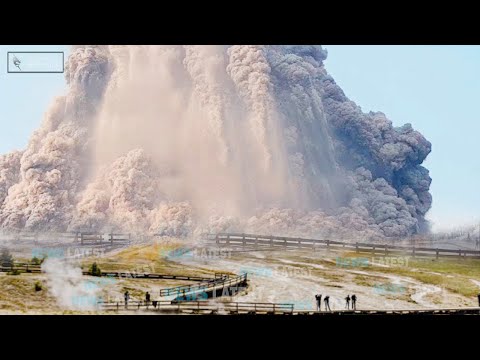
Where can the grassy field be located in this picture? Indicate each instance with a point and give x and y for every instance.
(451, 274)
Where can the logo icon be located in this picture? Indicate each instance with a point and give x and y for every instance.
(16, 62)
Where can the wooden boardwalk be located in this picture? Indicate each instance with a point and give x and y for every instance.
(223, 286)
(127, 274)
(252, 308)
(281, 242)
(199, 307)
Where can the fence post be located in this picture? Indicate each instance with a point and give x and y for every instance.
(413, 251)
(386, 250)
(436, 252)
(243, 240)
(356, 247)
(271, 241)
(256, 241)
(328, 245)
(81, 238)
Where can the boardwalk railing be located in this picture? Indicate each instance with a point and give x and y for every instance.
(30, 268)
(273, 242)
(98, 239)
(23, 268)
(127, 274)
(199, 306)
(36, 236)
(85, 238)
(266, 308)
(211, 284)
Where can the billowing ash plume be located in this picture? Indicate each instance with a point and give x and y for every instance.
(177, 140)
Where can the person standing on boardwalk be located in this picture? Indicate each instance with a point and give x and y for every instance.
(147, 298)
(318, 298)
(354, 302)
(127, 297)
(347, 300)
(327, 303)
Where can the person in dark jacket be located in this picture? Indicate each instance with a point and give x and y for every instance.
(354, 302)
(327, 303)
(127, 297)
(347, 300)
(318, 298)
(147, 298)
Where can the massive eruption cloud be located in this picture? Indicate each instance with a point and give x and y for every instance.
(178, 140)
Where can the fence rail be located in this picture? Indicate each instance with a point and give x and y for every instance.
(26, 268)
(95, 238)
(135, 275)
(211, 284)
(244, 240)
(31, 268)
(267, 308)
(35, 236)
(85, 238)
(199, 306)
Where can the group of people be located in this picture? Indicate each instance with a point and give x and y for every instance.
(348, 299)
(126, 296)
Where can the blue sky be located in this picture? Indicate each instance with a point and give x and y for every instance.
(24, 98)
(435, 88)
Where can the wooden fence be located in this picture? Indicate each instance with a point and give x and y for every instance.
(279, 242)
(99, 239)
(22, 268)
(36, 236)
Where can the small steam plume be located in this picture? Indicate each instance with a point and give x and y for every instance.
(177, 140)
(68, 285)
